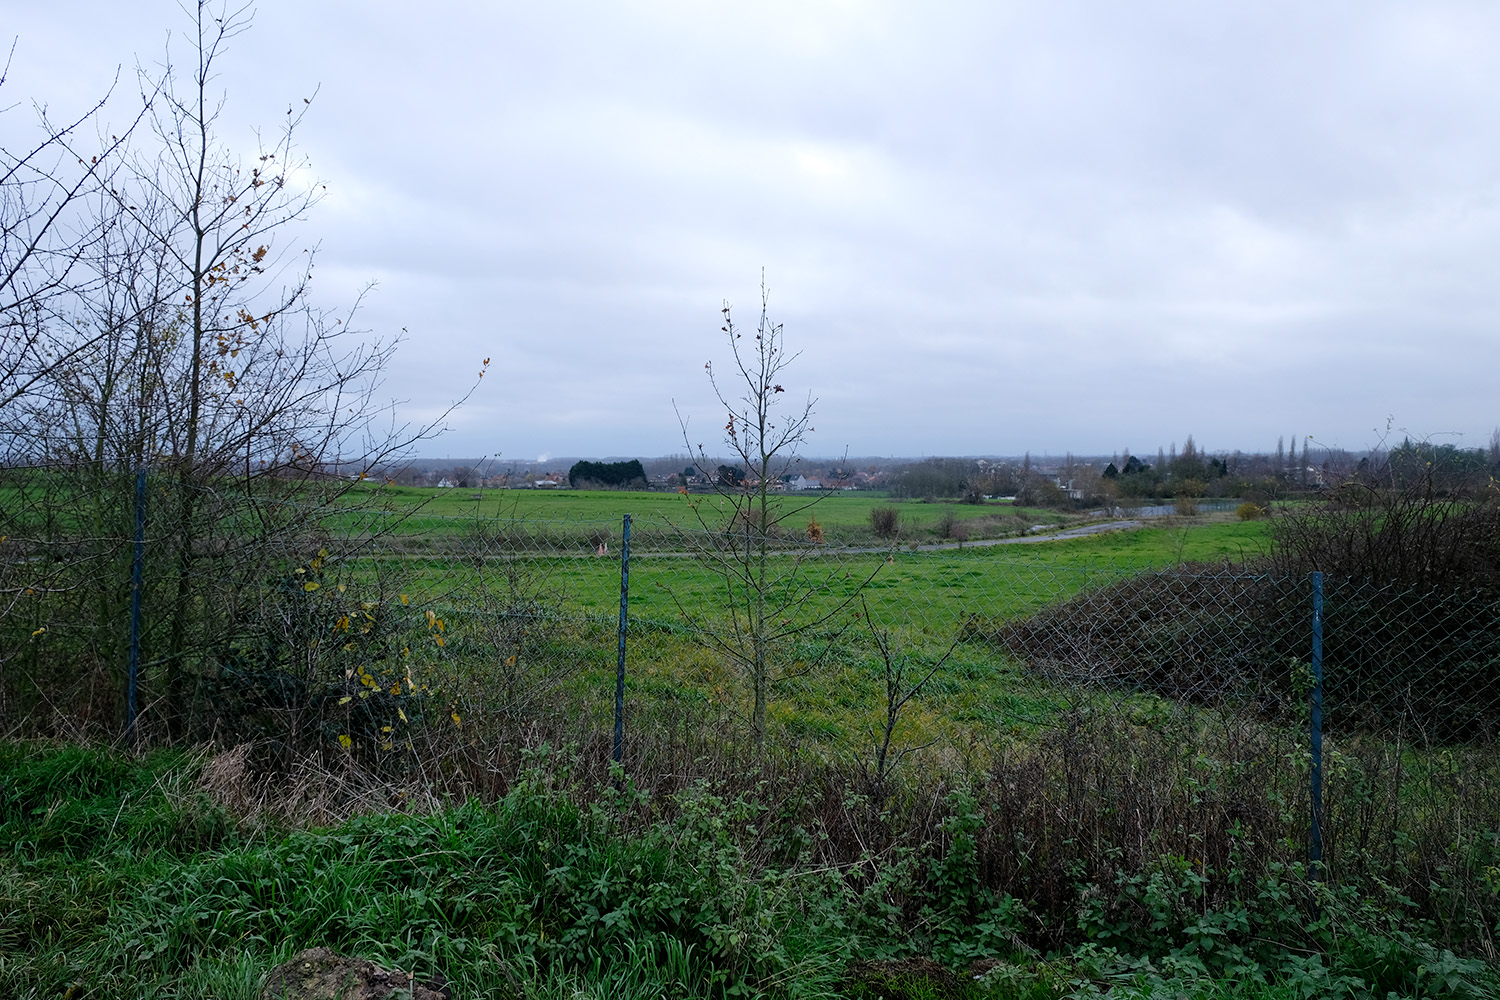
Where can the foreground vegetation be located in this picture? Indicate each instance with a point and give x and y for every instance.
(410, 762)
(857, 762)
(184, 876)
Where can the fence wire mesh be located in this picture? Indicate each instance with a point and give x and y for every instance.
(359, 628)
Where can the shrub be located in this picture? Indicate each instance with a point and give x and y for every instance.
(1423, 661)
(950, 528)
(885, 521)
(1248, 511)
(1191, 634)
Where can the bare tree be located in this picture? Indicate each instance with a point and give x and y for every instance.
(48, 231)
(177, 333)
(902, 686)
(765, 570)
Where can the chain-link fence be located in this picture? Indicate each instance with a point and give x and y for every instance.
(1216, 699)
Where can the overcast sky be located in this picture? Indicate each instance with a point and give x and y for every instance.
(989, 227)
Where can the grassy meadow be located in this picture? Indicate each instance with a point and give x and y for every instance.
(408, 758)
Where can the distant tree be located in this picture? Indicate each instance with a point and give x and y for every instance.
(1189, 464)
(935, 477)
(607, 475)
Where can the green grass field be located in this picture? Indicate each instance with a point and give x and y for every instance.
(831, 695)
(844, 514)
(465, 658)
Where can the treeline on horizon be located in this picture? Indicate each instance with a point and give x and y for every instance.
(1071, 481)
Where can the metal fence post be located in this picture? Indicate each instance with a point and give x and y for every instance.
(137, 573)
(1315, 773)
(620, 668)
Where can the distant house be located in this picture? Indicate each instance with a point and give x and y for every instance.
(803, 483)
(445, 483)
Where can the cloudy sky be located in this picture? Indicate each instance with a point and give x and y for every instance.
(988, 227)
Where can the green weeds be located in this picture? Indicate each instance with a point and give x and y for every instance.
(561, 887)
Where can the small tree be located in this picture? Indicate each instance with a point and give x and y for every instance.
(762, 566)
(899, 675)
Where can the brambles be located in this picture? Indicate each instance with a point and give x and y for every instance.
(1193, 634)
(1422, 535)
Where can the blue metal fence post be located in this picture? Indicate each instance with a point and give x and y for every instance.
(620, 668)
(1315, 774)
(137, 572)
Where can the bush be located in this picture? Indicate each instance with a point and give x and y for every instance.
(1192, 634)
(885, 521)
(1395, 658)
(950, 528)
(1248, 511)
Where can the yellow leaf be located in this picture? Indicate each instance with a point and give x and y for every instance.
(402, 714)
(346, 699)
(39, 631)
(310, 586)
(405, 599)
(510, 660)
(396, 688)
(440, 640)
(345, 741)
(456, 720)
